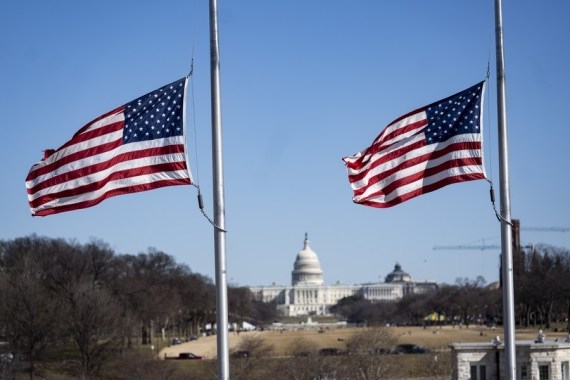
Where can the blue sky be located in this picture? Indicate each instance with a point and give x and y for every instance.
(304, 83)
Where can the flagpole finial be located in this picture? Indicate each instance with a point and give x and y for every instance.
(191, 68)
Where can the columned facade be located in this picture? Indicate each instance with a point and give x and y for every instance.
(308, 295)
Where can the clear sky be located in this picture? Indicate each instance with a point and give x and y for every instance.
(304, 83)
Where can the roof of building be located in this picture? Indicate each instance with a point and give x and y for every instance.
(532, 344)
(307, 265)
(398, 275)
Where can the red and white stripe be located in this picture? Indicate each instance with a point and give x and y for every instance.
(400, 165)
(95, 165)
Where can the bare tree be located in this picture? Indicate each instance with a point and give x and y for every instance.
(149, 292)
(247, 360)
(197, 294)
(369, 357)
(28, 311)
(438, 366)
(93, 322)
(78, 277)
(303, 362)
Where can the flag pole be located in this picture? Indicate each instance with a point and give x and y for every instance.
(506, 224)
(218, 199)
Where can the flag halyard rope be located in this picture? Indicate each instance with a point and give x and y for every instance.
(196, 184)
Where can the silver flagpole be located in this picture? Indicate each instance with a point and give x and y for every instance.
(506, 229)
(219, 210)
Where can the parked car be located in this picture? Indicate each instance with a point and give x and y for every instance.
(331, 351)
(176, 341)
(189, 356)
(410, 349)
(185, 356)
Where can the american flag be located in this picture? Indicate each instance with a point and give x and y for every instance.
(422, 151)
(136, 147)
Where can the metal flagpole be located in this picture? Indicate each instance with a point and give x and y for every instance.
(219, 211)
(506, 225)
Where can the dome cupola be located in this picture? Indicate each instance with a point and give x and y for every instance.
(398, 275)
(307, 269)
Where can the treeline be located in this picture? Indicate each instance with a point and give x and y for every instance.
(542, 296)
(467, 302)
(84, 308)
(91, 303)
(542, 281)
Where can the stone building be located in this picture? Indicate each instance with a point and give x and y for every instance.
(308, 294)
(535, 360)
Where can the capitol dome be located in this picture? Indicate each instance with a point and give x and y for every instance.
(307, 269)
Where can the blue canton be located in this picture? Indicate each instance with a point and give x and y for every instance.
(457, 114)
(157, 114)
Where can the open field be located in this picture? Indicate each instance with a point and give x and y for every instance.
(437, 338)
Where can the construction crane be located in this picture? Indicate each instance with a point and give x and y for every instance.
(516, 238)
(547, 229)
(481, 247)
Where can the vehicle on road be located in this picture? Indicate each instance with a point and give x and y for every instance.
(184, 356)
(332, 351)
(410, 349)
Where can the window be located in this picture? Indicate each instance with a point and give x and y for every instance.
(482, 372)
(473, 372)
(564, 370)
(544, 372)
(478, 372)
(524, 371)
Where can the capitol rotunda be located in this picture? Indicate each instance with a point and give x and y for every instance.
(308, 294)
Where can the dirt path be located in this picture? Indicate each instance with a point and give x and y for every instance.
(204, 346)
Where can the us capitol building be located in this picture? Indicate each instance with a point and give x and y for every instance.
(308, 295)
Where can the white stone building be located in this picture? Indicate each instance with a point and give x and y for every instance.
(535, 360)
(308, 295)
